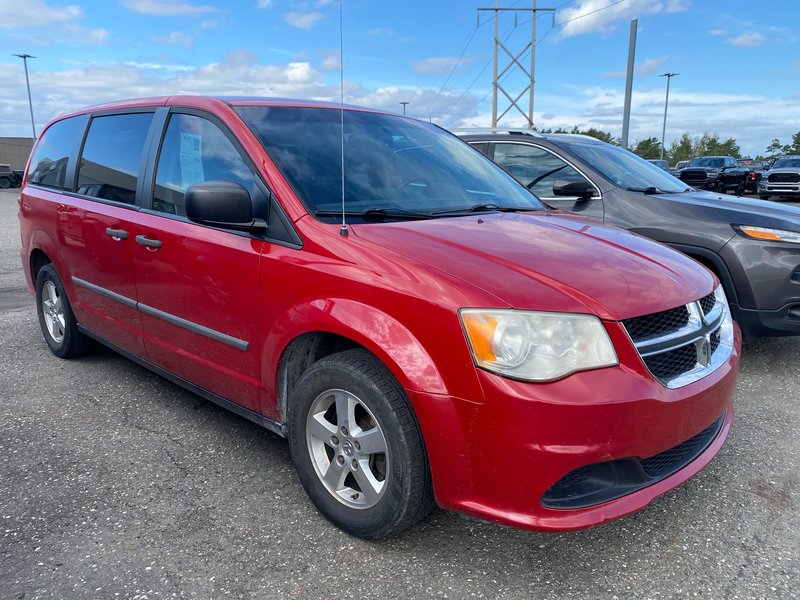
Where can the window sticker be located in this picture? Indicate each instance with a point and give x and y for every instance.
(191, 159)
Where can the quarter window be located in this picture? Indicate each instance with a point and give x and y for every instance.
(50, 160)
(195, 150)
(112, 155)
(533, 167)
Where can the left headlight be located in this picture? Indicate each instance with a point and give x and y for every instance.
(536, 346)
(767, 233)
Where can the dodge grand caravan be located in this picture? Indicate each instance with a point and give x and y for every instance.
(414, 321)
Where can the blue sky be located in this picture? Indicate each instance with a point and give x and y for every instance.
(739, 61)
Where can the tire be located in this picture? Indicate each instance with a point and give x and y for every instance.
(5, 183)
(370, 495)
(740, 189)
(58, 323)
(721, 187)
(763, 197)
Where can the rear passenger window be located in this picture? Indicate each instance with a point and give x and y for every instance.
(111, 156)
(50, 160)
(195, 150)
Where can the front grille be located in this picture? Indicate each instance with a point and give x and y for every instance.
(784, 178)
(671, 364)
(693, 175)
(656, 324)
(605, 481)
(707, 303)
(682, 344)
(666, 463)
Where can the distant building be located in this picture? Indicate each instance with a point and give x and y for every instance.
(14, 151)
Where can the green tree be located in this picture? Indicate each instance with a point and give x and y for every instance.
(795, 147)
(709, 144)
(775, 147)
(680, 149)
(648, 148)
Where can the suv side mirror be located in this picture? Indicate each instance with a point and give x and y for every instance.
(221, 204)
(573, 187)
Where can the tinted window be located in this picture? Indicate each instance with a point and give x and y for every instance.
(195, 150)
(535, 168)
(50, 160)
(111, 156)
(391, 163)
(711, 162)
(787, 163)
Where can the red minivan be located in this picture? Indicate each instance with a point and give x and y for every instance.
(417, 324)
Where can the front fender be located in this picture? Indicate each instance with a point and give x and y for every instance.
(369, 327)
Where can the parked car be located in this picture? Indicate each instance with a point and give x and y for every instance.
(661, 164)
(782, 180)
(753, 248)
(718, 173)
(8, 177)
(409, 326)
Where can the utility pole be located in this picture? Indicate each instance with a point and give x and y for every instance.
(25, 58)
(669, 77)
(626, 112)
(515, 60)
(404, 106)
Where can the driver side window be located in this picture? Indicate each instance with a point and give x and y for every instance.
(535, 168)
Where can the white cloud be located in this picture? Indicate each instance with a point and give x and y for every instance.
(265, 4)
(176, 38)
(209, 24)
(35, 13)
(716, 32)
(331, 61)
(303, 20)
(167, 8)
(436, 65)
(601, 15)
(647, 67)
(746, 40)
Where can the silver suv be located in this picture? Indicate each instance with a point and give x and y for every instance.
(783, 179)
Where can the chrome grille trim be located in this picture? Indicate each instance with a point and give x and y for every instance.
(703, 331)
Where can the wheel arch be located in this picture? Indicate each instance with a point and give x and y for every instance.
(328, 326)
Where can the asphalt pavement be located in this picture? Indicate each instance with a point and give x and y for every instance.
(115, 483)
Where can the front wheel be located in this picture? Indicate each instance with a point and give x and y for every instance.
(58, 323)
(5, 183)
(721, 187)
(357, 447)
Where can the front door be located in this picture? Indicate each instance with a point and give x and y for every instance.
(538, 169)
(198, 285)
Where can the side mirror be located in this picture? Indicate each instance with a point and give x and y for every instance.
(221, 204)
(573, 187)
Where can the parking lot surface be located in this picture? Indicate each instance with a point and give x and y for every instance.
(115, 483)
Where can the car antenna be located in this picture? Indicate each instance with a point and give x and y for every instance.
(343, 230)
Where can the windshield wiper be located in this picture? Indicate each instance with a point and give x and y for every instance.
(488, 207)
(377, 214)
(648, 190)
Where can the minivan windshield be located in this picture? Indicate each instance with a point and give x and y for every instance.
(395, 167)
(625, 169)
(705, 161)
(787, 163)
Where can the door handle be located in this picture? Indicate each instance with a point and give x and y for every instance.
(117, 233)
(140, 239)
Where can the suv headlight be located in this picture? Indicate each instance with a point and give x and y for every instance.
(767, 233)
(536, 346)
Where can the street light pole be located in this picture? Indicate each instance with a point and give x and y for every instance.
(404, 106)
(25, 58)
(669, 77)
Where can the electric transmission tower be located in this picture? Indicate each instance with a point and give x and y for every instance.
(515, 61)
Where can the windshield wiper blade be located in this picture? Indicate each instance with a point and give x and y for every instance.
(377, 214)
(648, 190)
(488, 207)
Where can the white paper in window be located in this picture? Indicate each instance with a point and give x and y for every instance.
(191, 159)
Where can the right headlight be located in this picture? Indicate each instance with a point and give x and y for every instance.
(767, 233)
(536, 346)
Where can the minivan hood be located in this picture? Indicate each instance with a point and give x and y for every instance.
(550, 261)
(742, 211)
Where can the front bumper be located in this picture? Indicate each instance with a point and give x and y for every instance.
(496, 458)
(778, 189)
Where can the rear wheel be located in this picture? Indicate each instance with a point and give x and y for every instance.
(357, 447)
(5, 183)
(740, 189)
(58, 323)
